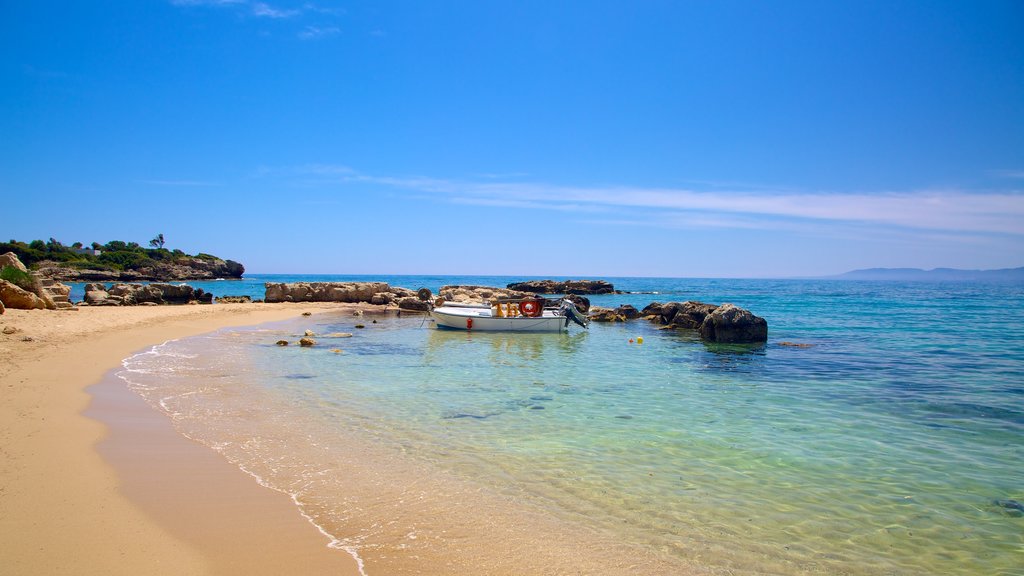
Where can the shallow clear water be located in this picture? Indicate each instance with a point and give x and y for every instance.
(882, 448)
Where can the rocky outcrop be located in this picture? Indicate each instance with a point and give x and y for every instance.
(174, 270)
(689, 314)
(620, 314)
(601, 314)
(565, 287)
(470, 293)
(144, 294)
(413, 304)
(726, 323)
(324, 291)
(17, 298)
(234, 299)
(732, 324)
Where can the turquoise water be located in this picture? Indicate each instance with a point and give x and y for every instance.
(880, 447)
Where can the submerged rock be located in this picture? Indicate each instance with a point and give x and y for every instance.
(306, 341)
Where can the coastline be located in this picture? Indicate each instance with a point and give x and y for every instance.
(95, 481)
(65, 509)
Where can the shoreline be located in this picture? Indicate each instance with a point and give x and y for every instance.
(129, 494)
(65, 507)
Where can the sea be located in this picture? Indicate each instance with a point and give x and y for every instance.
(879, 431)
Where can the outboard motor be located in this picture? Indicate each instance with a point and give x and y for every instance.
(571, 313)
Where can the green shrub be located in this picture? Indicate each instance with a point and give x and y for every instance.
(15, 276)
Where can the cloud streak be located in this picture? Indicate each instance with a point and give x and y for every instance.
(958, 211)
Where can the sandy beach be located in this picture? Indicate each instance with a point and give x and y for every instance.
(170, 506)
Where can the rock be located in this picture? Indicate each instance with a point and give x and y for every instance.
(309, 333)
(282, 342)
(566, 287)
(360, 326)
(582, 303)
(412, 303)
(731, 324)
(689, 314)
(628, 311)
(2, 309)
(381, 298)
(14, 297)
(338, 335)
(307, 313)
(323, 291)
(652, 309)
(599, 314)
(11, 259)
(479, 294)
(10, 330)
(306, 341)
(95, 294)
(234, 299)
(402, 292)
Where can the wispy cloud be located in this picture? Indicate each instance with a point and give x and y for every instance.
(314, 32)
(265, 10)
(957, 211)
(1008, 174)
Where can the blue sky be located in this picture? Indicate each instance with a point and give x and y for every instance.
(565, 139)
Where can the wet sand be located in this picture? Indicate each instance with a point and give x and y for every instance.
(80, 497)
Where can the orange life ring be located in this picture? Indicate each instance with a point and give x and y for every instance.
(530, 308)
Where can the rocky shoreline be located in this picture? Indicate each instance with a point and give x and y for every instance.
(725, 323)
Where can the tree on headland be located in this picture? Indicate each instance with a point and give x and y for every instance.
(157, 242)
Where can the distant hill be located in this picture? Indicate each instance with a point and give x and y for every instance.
(936, 275)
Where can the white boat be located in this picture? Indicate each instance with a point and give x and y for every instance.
(525, 315)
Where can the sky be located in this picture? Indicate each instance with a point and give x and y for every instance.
(557, 139)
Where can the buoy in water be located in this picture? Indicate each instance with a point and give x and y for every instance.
(639, 339)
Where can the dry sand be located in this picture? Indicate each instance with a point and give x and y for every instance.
(171, 506)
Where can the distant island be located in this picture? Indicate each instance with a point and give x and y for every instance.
(118, 261)
(935, 275)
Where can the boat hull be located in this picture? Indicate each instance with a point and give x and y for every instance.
(481, 320)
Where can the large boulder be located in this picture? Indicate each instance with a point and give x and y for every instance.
(15, 297)
(566, 287)
(731, 324)
(95, 294)
(11, 259)
(689, 314)
(2, 309)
